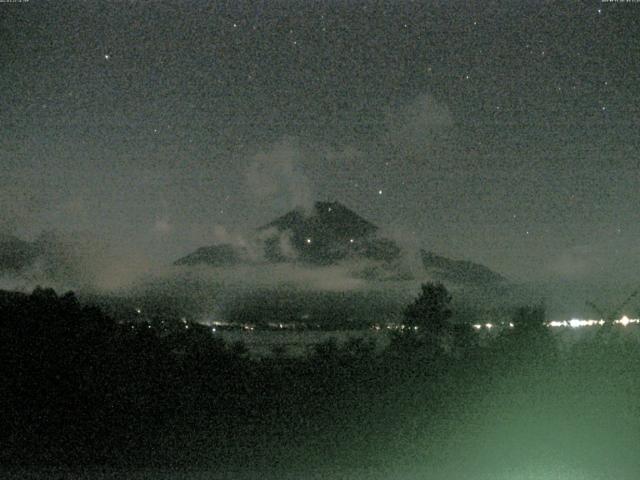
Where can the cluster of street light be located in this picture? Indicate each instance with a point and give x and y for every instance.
(572, 323)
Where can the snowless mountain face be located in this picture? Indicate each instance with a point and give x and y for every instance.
(458, 271)
(327, 266)
(332, 234)
(215, 255)
(329, 234)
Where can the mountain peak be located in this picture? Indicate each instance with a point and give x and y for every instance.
(327, 233)
(327, 217)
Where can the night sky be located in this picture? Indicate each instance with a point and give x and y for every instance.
(501, 132)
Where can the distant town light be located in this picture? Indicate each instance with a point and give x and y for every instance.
(308, 241)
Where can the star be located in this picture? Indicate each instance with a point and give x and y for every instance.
(379, 192)
(107, 56)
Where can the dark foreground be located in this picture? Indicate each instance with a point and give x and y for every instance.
(87, 397)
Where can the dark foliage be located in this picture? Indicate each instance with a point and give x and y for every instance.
(82, 388)
(431, 311)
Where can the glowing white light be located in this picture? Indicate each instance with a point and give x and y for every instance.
(624, 321)
(477, 326)
(138, 311)
(107, 56)
(379, 192)
(308, 240)
(511, 325)
(488, 325)
(575, 323)
(351, 240)
(213, 329)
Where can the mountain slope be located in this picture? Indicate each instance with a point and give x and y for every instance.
(458, 271)
(216, 255)
(331, 233)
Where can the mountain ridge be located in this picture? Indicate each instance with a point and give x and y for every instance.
(329, 234)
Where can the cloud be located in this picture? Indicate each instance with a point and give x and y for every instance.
(162, 226)
(17, 207)
(276, 176)
(574, 262)
(79, 261)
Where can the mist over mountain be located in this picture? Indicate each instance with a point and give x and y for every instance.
(323, 262)
(328, 263)
(76, 261)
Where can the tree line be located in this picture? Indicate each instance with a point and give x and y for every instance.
(80, 387)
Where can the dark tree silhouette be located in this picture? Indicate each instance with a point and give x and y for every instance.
(529, 319)
(431, 310)
(529, 343)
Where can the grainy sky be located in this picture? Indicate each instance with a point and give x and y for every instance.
(502, 132)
